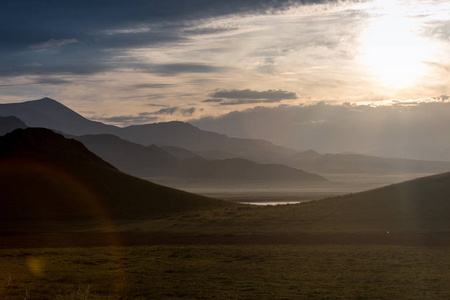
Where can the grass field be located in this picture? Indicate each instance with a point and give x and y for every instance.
(227, 272)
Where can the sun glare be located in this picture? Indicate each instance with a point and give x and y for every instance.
(392, 49)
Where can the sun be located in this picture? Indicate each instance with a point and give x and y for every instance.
(392, 49)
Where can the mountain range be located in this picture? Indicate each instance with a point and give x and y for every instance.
(44, 176)
(194, 142)
(156, 162)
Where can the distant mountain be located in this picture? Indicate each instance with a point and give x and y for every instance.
(153, 161)
(131, 158)
(51, 114)
(358, 163)
(44, 176)
(186, 136)
(180, 153)
(212, 146)
(8, 124)
(243, 170)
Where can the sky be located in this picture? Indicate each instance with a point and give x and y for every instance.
(144, 61)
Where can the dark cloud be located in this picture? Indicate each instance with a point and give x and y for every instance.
(442, 98)
(128, 119)
(171, 111)
(51, 80)
(188, 111)
(87, 37)
(250, 96)
(157, 105)
(165, 111)
(74, 58)
(136, 40)
(248, 101)
(52, 43)
(200, 31)
(180, 68)
(216, 100)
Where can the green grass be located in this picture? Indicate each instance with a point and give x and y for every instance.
(227, 272)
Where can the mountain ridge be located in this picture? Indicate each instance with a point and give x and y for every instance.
(76, 184)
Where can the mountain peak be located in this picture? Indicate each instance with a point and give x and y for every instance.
(49, 113)
(47, 99)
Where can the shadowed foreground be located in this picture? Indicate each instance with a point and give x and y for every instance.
(227, 272)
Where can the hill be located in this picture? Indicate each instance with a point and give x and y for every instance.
(44, 176)
(419, 205)
(8, 124)
(422, 204)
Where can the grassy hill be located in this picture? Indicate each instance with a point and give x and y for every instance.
(421, 206)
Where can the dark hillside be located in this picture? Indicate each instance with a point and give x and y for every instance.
(44, 176)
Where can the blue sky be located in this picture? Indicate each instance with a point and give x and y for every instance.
(140, 61)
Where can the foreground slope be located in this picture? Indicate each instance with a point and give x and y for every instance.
(420, 205)
(416, 205)
(46, 176)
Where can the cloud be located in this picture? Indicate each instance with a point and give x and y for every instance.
(171, 111)
(51, 80)
(157, 105)
(212, 100)
(53, 43)
(152, 85)
(442, 98)
(180, 68)
(147, 117)
(138, 39)
(247, 101)
(130, 119)
(249, 95)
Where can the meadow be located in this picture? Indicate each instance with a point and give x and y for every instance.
(227, 272)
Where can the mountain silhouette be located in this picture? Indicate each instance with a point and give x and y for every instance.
(153, 161)
(44, 176)
(8, 124)
(131, 158)
(51, 114)
(48, 113)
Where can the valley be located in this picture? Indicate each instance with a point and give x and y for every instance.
(75, 225)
